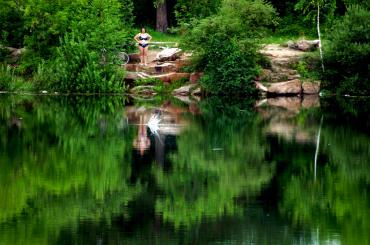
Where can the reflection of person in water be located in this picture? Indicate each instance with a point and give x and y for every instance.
(142, 142)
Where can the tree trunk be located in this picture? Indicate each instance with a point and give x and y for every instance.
(319, 34)
(162, 22)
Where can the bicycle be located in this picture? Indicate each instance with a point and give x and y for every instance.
(116, 57)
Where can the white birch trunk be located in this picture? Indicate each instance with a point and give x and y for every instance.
(319, 34)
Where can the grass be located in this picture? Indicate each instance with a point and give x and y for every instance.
(163, 37)
(10, 82)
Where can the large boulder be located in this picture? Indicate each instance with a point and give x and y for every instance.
(311, 87)
(169, 54)
(184, 90)
(288, 87)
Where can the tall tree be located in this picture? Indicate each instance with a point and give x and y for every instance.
(162, 20)
(306, 6)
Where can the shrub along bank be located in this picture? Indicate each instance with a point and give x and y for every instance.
(65, 39)
(348, 53)
(225, 45)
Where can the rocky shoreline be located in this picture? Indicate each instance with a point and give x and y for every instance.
(280, 79)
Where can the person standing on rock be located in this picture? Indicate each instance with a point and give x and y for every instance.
(143, 39)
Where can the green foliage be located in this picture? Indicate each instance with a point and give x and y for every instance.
(28, 63)
(75, 65)
(225, 45)
(309, 8)
(77, 69)
(348, 52)
(363, 3)
(102, 24)
(338, 197)
(10, 82)
(46, 21)
(148, 81)
(4, 54)
(159, 86)
(188, 10)
(309, 65)
(230, 69)
(12, 29)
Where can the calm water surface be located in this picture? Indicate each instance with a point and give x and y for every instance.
(89, 170)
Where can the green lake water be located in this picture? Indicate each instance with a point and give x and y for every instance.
(89, 170)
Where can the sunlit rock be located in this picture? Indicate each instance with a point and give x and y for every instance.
(289, 87)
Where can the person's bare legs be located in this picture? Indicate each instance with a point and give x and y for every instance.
(142, 53)
(146, 55)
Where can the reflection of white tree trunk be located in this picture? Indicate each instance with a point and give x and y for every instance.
(319, 35)
(317, 147)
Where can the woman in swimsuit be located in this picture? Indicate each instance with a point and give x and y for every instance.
(143, 40)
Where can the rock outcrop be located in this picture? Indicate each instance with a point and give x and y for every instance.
(288, 87)
(164, 65)
(291, 87)
(281, 78)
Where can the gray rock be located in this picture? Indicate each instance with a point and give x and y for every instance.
(184, 90)
(291, 44)
(303, 45)
(168, 54)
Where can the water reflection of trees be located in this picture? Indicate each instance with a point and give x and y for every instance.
(338, 199)
(220, 158)
(63, 163)
(66, 165)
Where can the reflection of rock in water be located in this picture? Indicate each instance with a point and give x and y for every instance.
(281, 113)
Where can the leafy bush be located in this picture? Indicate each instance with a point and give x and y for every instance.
(348, 53)
(104, 23)
(225, 45)
(77, 69)
(78, 66)
(230, 69)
